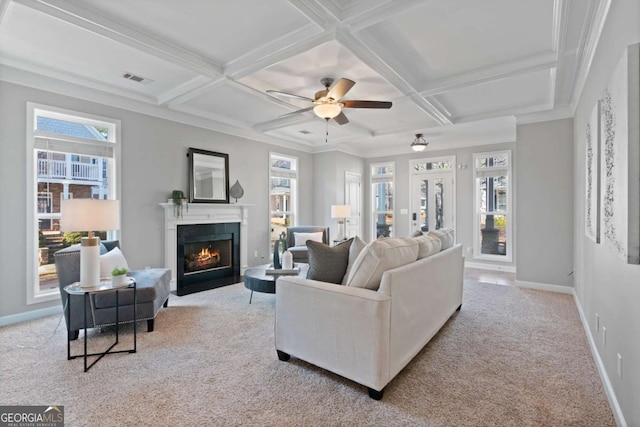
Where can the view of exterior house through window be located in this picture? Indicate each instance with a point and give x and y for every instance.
(382, 183)
(493, 226)
(73, 157)
(283, 195)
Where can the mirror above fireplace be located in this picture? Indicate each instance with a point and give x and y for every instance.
(208, 176)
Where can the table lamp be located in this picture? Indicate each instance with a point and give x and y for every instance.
(89, 215)
(341, 212)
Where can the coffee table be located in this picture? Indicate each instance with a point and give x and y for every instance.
(257, 279)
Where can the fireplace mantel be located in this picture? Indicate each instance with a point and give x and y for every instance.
(202, 213)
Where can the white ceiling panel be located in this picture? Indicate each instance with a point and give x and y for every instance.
(218, 30)
(404, 114)
(314, 131)
(46, 41)
(530, 89)
(444, 37)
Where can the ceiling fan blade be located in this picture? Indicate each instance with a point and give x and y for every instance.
(290, 95)
(297, 112)
(340, 89)
(341, 119)
(367, 104)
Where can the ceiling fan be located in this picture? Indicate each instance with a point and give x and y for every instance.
(328, 103)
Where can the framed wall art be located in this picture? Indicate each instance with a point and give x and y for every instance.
(620, 158)
(592, 178)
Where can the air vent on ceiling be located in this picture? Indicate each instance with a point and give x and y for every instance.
(137, 79)
(304, 132)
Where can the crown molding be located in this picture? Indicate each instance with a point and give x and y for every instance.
(4, 7)
(557, 113)
(32, 70)
(592, 29)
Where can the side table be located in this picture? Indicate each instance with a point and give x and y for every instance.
(105, 285)
(257, 279)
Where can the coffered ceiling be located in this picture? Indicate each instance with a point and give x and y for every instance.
(462, 72)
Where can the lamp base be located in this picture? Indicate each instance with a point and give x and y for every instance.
(341, 235)
(89, 262)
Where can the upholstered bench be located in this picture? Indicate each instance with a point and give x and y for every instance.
(152, 293)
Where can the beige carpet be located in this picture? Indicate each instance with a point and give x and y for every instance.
(511, 357)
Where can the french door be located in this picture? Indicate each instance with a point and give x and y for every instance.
(432, 201)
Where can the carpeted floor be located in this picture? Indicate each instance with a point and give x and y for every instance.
(510, 357)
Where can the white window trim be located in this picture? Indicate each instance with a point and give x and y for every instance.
(375, 179)
(479, 172)
(34, 109)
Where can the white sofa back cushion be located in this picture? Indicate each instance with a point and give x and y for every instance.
(378, 257)
(112, 259)
(428, 245)
(445, 235)
(300, 239)
(357, 246)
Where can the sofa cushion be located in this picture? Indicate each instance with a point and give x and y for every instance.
(112, 259)
(356, 247)
(301, 239)
(446, 236)
(428, 245)
(326, 263)
(378, 257)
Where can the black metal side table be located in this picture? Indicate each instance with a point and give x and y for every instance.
(105, 285)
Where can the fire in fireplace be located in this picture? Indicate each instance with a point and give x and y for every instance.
(208, 256)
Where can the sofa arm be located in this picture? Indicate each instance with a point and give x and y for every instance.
(342, 329)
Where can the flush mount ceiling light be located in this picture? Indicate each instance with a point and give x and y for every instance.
(419, 144)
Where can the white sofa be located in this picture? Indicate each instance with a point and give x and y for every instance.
(366, 335)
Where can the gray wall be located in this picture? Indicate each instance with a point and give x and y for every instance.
(605, 284)
(464, 191)
(328, 184)
(544, 202)
(154, 162)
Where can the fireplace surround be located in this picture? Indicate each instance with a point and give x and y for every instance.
(202, 214)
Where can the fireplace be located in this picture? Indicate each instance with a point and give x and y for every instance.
(207, 256)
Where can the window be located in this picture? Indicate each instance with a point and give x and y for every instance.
(382, 204)
(283, 195)
(69, 155)
(493, 223)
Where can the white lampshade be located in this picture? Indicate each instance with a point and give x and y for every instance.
(419, 144)
(89, 215)
(340, 211)
(327, 111)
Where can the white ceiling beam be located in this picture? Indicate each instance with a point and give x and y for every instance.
(315, 13)
(373, 15)
(299, 41)
(558, 38)
(112, 30)
(186, 91)
(4, 7)
(516, 111)
(591, 30)
(373, 59)
(492, 73)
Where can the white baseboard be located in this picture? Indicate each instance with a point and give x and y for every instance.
(493, 267)
(608, 388)
(29, 315)
(545, 287)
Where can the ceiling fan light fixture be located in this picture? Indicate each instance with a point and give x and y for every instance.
(327, 111)
(419, 144)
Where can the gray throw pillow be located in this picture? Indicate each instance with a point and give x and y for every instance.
(326, 263)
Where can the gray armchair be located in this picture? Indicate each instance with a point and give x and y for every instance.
(152, 293)
(300, 253)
